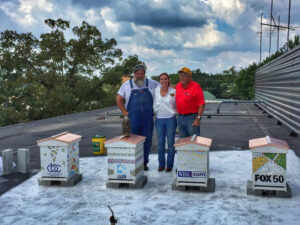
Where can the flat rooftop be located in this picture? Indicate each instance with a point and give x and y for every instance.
(231, 129)
(156, 203)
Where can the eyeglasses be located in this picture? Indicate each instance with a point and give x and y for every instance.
(139, 73)
(183, 75)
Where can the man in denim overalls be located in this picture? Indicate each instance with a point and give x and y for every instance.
(135, 99)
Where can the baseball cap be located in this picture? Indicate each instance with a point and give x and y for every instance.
(139, 67)
(185, 70)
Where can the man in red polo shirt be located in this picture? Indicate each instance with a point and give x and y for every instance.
(190, 104)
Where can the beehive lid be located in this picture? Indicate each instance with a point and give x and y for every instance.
(194, 140)
(132, 139)
(63, 137)
(268, 141)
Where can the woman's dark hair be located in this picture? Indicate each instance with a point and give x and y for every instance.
(166, 75)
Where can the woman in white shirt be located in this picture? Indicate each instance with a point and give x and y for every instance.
(165, 109)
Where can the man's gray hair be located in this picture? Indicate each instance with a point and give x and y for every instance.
(139, 67)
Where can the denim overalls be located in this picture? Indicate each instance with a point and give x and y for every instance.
(140, 112)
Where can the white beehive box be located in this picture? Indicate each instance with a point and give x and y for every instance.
(193, 161)
(125, 158)
(269, 163)
(59, 156)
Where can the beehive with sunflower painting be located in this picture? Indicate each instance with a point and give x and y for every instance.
(269, 163)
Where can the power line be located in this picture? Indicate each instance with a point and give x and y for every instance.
(273, 28)
(247, 24)
(258, 2)
(284, 5)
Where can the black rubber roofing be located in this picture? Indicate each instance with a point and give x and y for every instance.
(230, 130)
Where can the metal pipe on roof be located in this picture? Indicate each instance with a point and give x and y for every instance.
(119, 114)
(236, 102)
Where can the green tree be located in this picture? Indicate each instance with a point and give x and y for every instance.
(244, 84)
(52, 76)
(112, 77)
(17, 53)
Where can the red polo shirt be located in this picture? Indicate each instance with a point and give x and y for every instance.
(188, 100)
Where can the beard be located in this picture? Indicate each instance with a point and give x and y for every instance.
(139, 82)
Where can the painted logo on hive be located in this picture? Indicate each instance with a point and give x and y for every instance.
(197, 174)
(54, 168)
(120, 172)
(120, 169)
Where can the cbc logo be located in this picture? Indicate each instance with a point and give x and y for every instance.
(53, 168)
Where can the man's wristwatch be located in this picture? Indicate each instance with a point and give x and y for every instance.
(198, 117)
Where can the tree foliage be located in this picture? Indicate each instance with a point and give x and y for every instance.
(50, 76)
(219, 85)
(244, 84)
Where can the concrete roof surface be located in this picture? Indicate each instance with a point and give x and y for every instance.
(156, 203)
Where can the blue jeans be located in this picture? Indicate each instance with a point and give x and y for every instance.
(166, 128)
(185, 125)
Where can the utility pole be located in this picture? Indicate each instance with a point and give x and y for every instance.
(271, 17)
(260, 37)
(273, 26)
(278, 32)
(289, 20)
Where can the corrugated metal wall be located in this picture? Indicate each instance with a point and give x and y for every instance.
(278, 85)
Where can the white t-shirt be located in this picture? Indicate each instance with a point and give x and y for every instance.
(125, 89)
(164, 106)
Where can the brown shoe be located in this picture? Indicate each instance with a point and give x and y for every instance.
(160, 169)
(168, 169)
(146, 168)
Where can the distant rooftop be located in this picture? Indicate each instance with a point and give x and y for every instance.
(208, 95)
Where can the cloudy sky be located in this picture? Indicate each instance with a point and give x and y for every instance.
(211, 35)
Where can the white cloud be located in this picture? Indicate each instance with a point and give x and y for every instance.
(26, 10)
(158, 3)
(228, 10)
(206, 38)
(92, 16)
(162, 48)
(26, 6)
(225, 60)
(152, 57)
(9, 10)
(191, 9)
(108, 17)
(148, 53)
(72, 14)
